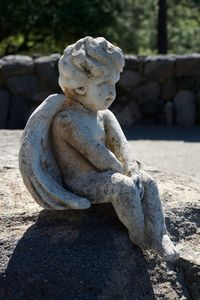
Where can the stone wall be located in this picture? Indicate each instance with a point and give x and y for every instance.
(152, 90)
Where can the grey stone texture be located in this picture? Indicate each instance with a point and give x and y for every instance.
(185, 108)
(14, 65)
(129, 79)
(159, 67)
(35, 78)
(4, 107)
(188, 65)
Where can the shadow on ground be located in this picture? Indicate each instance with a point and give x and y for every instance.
(163, 133)
(76, 255)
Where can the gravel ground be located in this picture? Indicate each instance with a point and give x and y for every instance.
(173, 150)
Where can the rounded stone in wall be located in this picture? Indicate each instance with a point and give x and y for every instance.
(131, 62)
(4, 107)
(46, 68)
(147, 96)
(129, 79)
(159, 67)
(13, 65)
(185, 83)
(19, 112)
(148, 91)
(198, 105)
(188, 65)
(22, 85)
(185, 108)
(168, 90)
(169, 113)
(40, 96)
(128, 115)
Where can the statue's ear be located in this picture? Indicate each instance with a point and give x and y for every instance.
(80, 90)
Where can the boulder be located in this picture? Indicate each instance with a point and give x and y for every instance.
(13, 65)
(129, 79)
(185, 83)
(19, 112)
(168, 90)
(46, 68)
(197, 83)
(131, 62)
(185, 108)
(147, 96)
(159, 67)
(169, 113)
(4, 107)
(2, 78)
(128, 115)
(198, 105)
(22, 85)
(188, 65)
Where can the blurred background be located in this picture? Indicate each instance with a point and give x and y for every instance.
(160, 84)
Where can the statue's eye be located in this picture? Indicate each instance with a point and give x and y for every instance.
(81, 88)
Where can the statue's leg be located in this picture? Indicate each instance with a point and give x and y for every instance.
(155, 228)
(122, 193)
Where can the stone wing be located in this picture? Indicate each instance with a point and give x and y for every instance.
(38, 167)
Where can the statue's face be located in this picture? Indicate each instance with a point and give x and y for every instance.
(100, 92)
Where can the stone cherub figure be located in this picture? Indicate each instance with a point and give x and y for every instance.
(74, 153)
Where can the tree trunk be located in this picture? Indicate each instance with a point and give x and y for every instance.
(162, 27)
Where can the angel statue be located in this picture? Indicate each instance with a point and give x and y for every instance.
(74, 153)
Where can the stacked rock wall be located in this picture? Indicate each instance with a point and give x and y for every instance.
(152, 90)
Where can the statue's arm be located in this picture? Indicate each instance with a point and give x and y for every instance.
(118, 144)
(80, 137)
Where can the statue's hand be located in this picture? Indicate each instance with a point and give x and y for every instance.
(138, 183)
(117, 166)
(80, 203)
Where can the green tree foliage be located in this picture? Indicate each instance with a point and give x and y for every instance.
(26, 24)
(184, 26)
(45, 26)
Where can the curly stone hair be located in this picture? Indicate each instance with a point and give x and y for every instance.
(87, 58)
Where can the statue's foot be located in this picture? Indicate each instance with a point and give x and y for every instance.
(167, 250)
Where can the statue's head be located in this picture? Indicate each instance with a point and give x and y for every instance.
(89, 70)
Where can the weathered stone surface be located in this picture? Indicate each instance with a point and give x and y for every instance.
(148, 97)
(168, 90)
(129, 115)
(185, 108)
(15, 65)
(19, 112)
(22, 85)
(132, 62)
(186, 83)
(47, 71)
(4, 107)
(197, 83)
(129, 80)
(169, 113)
(188, 65)
(147, 92)
(2, 78)
(76, 255)
(159, 67)
(47, 255)
(198, 105)
(74, 154)
(39, 96)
